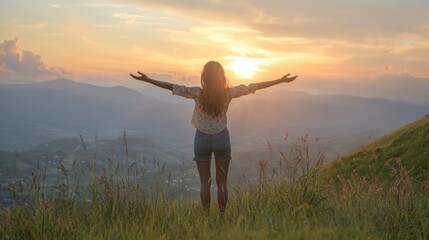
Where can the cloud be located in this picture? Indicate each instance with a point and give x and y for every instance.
(105, 5)
(36, 26)
(332, 37)
(23, 63)
(324, 19)
(216, 10)
(129, 18)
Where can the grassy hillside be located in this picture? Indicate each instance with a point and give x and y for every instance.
(408, 145)
(293, 198)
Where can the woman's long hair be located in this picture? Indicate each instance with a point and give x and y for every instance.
(214, 91)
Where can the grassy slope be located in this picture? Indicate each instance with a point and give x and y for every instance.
(306, 207)
(410, 144)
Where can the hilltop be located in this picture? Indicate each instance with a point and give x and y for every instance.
(409, 144)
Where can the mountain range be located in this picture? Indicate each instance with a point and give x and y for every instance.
(34, 113)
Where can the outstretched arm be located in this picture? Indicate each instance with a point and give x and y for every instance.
(161, 84)
(284, 79)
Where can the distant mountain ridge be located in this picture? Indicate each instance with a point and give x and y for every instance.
(64, 105)
(321, 114)
(397, 87)
(34, 113)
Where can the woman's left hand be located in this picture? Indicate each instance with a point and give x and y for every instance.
(287, 79)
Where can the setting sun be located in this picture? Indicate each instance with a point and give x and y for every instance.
(244, 67)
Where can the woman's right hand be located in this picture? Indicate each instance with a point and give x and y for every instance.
(142, 76)
(157, 83)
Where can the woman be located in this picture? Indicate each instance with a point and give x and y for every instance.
(209, 117)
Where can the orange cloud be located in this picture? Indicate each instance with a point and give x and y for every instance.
(24, 64)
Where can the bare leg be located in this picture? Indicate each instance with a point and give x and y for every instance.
(221, 181)
(205, 180)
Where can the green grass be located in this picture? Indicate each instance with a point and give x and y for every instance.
(409, 144)
(294, 198)
(303, 209)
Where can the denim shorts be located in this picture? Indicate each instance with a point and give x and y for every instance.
(206, 144)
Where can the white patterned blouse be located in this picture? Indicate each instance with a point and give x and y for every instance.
(204, 122)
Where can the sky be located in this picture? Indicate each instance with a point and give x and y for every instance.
(101, 41)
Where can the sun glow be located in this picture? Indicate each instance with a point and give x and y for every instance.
(244, 67)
